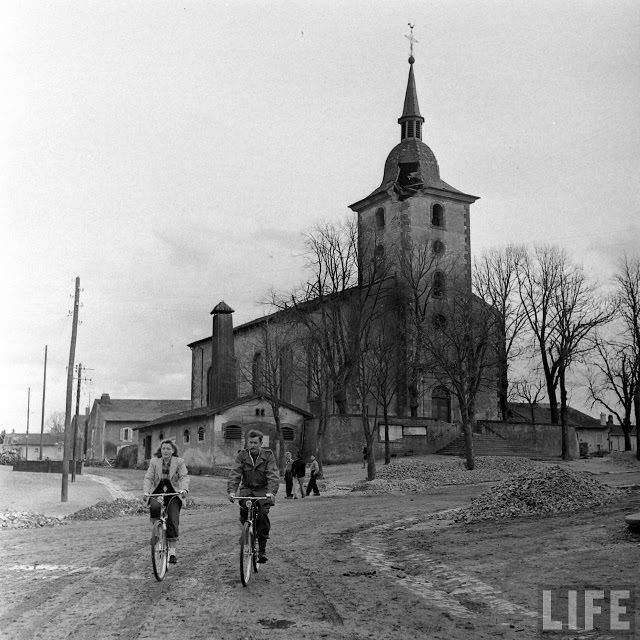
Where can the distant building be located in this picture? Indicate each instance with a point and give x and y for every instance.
(111, 422)
(52, 445)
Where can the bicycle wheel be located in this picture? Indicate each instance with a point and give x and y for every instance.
(246, 554)
(159, 551)
(254, 547)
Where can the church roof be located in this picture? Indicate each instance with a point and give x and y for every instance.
(411, 157)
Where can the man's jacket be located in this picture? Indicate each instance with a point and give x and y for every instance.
(260, 475)
(298, 468)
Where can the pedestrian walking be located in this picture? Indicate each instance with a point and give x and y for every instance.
(288, 477)
(314, 470)
(298, 470)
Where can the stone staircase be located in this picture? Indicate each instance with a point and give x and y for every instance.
(491, 445)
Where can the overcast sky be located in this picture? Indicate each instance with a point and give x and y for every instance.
(172, 154)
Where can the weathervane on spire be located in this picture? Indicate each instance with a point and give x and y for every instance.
(412, 41)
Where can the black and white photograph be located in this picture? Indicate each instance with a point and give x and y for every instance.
(321, 320)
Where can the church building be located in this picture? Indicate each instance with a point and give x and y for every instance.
(413, 220)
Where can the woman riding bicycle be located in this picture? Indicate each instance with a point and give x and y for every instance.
(167, 473)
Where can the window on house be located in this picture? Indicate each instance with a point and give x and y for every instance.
(161, 436)
(441, 404)
(438, 284)
(287, 433)
(380, 218)
(186, 436)
(438, 247)
(437, 215)
(209, 383)
(233, 432)
(200, 434)
(379, 253)
(126, 434)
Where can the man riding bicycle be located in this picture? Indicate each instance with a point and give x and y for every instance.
(256, 473)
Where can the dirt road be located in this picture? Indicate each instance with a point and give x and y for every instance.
(345, 567)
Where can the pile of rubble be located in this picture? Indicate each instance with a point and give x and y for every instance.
(27, 520)
(416, 475)
(538, 492)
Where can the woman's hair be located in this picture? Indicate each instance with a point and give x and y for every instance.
(172, 443)
(288, 455)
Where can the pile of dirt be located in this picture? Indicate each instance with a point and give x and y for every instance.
(538, 492)
(416, 475)
(113, 509)
(27, 520)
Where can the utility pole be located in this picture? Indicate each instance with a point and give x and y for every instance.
(75, 425)
(67, 415)
(26, 448)
(44, 388)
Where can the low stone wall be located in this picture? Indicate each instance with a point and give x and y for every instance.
(45, 466)
(344, 438)
(546, 438)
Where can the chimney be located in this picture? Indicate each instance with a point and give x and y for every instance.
(610, 420)
(603, 418)
(222, 385)
(105, 398)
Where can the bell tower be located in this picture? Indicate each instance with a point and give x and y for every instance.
(413, 216)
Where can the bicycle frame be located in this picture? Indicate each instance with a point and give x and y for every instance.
(248, 539)
(159, 545)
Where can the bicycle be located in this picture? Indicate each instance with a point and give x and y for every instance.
(159, 545)
(248, 539)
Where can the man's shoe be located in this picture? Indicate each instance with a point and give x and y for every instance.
(262, 557)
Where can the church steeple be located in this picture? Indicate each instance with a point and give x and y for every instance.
(411, 121)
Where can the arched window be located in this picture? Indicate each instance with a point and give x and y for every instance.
(233, 432)
(437, 215)
(287, 433)
(380, 218)
(200, 434)
(186, 436)
(209, 384)
(285, 368)
(161, 436)
(257, 372)
(379, 253)
(438, 284)
(441, 404)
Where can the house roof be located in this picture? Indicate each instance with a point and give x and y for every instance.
(207, 411)
(48, 439)
(135, 410)
(616, 430)
(521, 412)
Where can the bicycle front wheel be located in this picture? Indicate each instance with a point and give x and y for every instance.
(159, 551)
(246, 553)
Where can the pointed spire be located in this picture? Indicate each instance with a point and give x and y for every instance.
(411, 120)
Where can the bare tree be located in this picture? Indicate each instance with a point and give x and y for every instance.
(628, 307)
(578, 312)
(274, 374)
(530, 393)
(55, 423)
(381, 359)
(495, 280)
(334, 308)
(613, 376)
(463, 354)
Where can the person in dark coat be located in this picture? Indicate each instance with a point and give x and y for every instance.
(288, 477)
(255, 473)
(298, 470)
